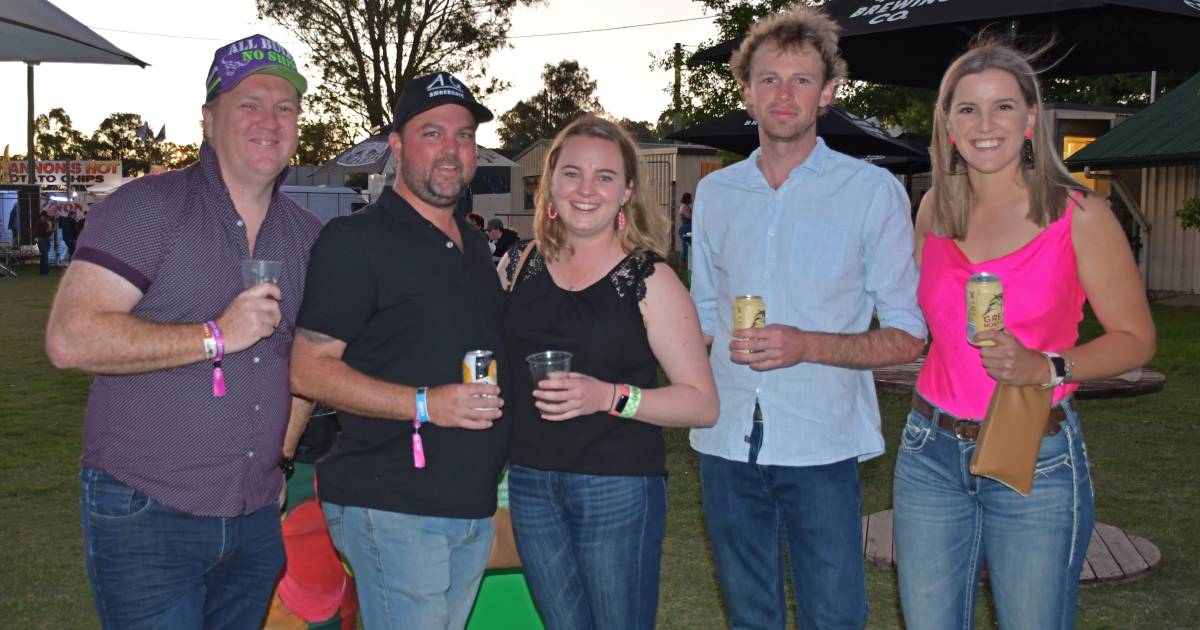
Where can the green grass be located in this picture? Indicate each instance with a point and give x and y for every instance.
(1143, 453)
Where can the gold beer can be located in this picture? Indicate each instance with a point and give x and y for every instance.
(749, 311)
(478, 366)
(985, 306)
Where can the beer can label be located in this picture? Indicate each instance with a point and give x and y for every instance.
(985, 307)
(479, 367)
(749, 311)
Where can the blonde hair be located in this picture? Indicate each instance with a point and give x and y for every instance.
(1048, 182)
(646, 228)
(789, 31)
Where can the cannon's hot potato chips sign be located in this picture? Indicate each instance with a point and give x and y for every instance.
(54, 172)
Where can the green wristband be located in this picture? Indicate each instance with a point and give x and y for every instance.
(635, 399)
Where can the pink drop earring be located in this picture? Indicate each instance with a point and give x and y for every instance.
(550, 211)
(621, 219)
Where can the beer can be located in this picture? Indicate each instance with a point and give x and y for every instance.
(985, 306)
(749, 311)
(479, 366)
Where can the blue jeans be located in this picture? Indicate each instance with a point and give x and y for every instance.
(154, 567)
(948, 523)
(412, 572)
(590, 545)
(754, 510)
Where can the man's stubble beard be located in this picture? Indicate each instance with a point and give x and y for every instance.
(426, 189)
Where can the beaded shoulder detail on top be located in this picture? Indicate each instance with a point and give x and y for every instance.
(629, 278)
(533, 266)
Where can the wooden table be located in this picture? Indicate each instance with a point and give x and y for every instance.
(1114, 555)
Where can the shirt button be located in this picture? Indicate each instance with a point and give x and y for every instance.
(256, 359)
(449, 244)
(250, 454)
(257, 408)
(240, 223)
(771, 233)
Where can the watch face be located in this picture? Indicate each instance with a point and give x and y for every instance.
(1060, 366)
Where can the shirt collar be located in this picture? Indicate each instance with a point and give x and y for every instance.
(211, 167)
(396, 207)
(816, 162)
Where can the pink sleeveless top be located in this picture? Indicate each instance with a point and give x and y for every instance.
(1043, 305)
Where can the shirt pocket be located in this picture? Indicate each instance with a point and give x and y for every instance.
(822, 273)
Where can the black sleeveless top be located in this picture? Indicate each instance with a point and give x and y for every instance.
(602, 327)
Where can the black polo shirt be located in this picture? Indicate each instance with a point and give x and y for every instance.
(409, 305)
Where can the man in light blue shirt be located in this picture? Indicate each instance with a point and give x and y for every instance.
(826, 240)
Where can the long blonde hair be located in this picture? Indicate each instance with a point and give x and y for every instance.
(646, 228)
(1048, 182)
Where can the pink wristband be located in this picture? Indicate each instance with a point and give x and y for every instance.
(218, 373)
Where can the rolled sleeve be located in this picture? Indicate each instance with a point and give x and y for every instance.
(703, 289)
(891, 274)
(126, 233)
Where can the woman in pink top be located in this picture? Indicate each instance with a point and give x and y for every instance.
(1003, 203)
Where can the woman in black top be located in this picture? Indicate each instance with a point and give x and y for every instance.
(587, 475)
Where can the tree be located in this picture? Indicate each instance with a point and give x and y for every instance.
(56, 138)
(709, 89)
(368, 49)
(117, 138)
(712, 90)
(641, 130)
(568, 91)
(909, 108)
(323, 133)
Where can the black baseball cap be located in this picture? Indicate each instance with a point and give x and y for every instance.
(431, 90)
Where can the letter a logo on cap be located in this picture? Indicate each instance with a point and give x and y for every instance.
(444, 85)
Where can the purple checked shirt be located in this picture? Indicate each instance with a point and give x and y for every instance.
(179, 240)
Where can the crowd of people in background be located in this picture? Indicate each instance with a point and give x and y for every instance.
(205, 381)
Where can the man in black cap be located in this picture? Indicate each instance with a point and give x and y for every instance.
(396, 295)
(501, 236)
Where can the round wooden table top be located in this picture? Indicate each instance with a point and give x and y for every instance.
(904, 378)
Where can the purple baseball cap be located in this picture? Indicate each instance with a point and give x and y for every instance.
(251, 55)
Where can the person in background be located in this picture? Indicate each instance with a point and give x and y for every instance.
(685, 228)
(43, 230)
(500, 236)
(186, 420)
(826, 240)
(1002, 203)
(587, 472)
(69, 225)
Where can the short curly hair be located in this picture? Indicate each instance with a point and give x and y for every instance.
(790, 30)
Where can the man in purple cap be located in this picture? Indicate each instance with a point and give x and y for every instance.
(184, 428)
(396, 295)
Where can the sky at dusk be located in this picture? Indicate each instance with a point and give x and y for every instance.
(178, 39)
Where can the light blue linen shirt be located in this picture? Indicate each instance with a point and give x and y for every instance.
(829, 247)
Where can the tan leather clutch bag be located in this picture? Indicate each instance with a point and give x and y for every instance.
(1011, 435)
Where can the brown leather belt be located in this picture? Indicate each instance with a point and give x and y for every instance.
(967, 430)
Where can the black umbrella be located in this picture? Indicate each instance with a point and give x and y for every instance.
(911, 43)
(842, 131)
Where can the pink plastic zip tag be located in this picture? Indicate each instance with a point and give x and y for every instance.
(218, 381)
(418, 451)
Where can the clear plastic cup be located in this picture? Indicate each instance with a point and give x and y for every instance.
(549, 364)
(256, 271)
